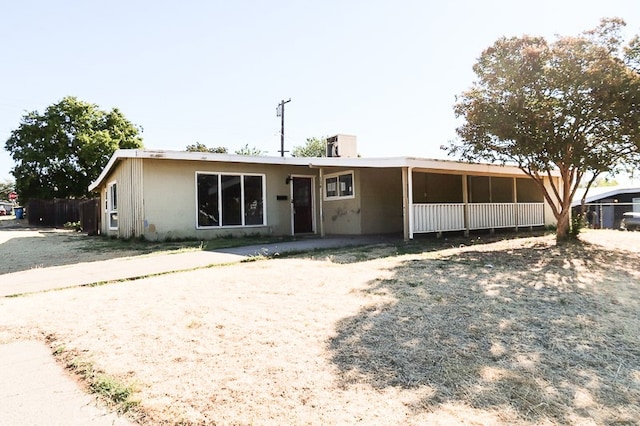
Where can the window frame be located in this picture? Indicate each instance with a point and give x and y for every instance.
(111, 206)
(241, 175)
(337, 176)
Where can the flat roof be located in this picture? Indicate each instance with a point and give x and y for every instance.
(603, 192)
(314, 162)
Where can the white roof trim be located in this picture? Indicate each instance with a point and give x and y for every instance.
(420, 163)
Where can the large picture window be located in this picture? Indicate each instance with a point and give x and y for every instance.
(230, 199)
(339, 185)
(112, 205)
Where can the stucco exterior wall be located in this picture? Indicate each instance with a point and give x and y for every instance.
(170, 199)
(549, 218)
(381, 201)
(343, 216)
(157, 194)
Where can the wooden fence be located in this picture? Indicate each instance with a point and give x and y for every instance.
(90, 216)
(57, 212)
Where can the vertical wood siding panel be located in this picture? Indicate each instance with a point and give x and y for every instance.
(130, 203)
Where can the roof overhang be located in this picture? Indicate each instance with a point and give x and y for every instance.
(420, 164)
(604, 193)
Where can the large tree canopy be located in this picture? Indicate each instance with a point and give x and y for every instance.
(572, 106)
(60, 152)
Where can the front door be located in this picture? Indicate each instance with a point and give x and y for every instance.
(301, 201)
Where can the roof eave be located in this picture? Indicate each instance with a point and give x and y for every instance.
(414, 162)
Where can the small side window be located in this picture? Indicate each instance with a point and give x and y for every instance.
(112, 205)
(339, 185)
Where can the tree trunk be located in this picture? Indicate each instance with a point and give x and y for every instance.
(562, 231)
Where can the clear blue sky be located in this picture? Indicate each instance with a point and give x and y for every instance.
(214, 71)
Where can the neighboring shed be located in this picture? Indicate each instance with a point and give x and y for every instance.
(162, 195)
(607, 204)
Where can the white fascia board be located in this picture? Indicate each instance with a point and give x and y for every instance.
(449, 166)
(462, 167)
(119, 153)
(315, 162)
(243, 159)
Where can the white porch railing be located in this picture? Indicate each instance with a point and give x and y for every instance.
(450, 217)
(438, 217)
(530, 214)
(492, 215)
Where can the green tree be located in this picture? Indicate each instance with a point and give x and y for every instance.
(246, 150)
(200, 147)
(314, 147)
(6, 187)
(632, 54)
(60, 152)
(572, 106)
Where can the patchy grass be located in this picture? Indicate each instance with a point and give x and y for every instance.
(546, 333)
(110, 389)
(420, 244)
(28, 248)
(101, 244)
(114, 391)
(458, 331)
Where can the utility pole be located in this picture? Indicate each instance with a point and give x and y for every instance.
(280, 113)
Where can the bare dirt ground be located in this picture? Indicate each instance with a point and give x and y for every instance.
(516, 331)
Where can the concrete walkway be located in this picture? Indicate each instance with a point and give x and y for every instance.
(35, 390)
(125, 268)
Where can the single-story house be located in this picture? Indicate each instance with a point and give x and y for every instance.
(161, 195)
(606, 204)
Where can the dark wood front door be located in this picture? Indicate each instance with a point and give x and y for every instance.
(302, 205)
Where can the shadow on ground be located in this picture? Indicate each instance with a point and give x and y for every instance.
(390, 246)
(545, 333)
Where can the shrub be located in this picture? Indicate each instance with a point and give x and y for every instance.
(76, 226)
(577, 223)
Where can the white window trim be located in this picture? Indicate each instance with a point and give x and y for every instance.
(110, 210)
(337, 176)
(242, 175)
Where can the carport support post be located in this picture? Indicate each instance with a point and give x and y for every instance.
(465, 201)
(515, 202)
(405, 203)
(321, 193)
(410, 190)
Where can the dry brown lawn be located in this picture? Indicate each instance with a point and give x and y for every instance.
(517, 331)
(23, 248)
